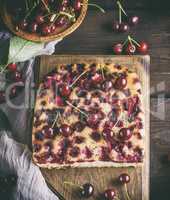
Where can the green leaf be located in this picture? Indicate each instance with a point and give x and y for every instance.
(21, 50)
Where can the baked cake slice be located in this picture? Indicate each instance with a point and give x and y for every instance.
(88, 115)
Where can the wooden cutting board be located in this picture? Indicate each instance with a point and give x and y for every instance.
(104, 178)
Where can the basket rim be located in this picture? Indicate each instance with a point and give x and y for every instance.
(7, 19)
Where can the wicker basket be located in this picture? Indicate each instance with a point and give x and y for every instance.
(7, 18)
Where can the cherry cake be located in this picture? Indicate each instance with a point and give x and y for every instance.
(89, 115)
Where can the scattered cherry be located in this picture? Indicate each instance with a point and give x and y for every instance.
(134, 20)
(143, 48)
(124, 178)
(118, 49)
(131, 49)
(110, 194)
(125, 134)
(65, 130)
(116, 26)
(87, 190)
(12, 66)
(74, 152)
(123, 27)
(65, 90)
(121, 82)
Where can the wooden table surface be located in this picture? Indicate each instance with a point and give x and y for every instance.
(95, 36)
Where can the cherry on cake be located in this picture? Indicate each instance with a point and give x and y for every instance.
(88, 115)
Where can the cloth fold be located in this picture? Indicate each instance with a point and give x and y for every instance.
(16, 159)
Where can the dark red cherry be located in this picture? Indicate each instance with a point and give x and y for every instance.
(93, 120)
(116, 26)
(59, 101)
(87, 152)
(125, 134)
(134, 20)
(143, 48)
(46, 29)
(39, 19)
(61, 21)
(120, 83)
(96, 136)
(78, 126)
(74, 152)
(124, 178)
(33, 27)
(107, 85)
(48, 132)
(23, 24)
(65, 130)
(77, 5)
(12, 66)
(118, 49)
(97, 78)
(131, 49)
(123, 27)
(65, 2)
(110, 194)
(53, 28)
(62, 8)
(65, 90)
(87, 190)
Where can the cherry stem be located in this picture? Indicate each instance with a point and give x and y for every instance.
(72, 184)
(130, 40)
(67, 14)
(125, 42)
(56, 119)
(30, 11)
(76, 108)
(47, 8)
(121, 8)
(102, 71)
(97, 6)
(78, 78)
(135, 42)
(126, 191)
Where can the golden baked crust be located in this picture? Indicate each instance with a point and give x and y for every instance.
(98, 122)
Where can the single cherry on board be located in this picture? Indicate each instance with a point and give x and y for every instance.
(87, 190)
(118, 49)
(124, 178)
(143, 48)
(131, 49)
(110, 194)
(133, 20)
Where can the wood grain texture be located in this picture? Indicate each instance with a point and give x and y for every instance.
(104, 178)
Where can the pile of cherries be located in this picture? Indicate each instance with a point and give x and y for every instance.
(44, 17)
(87, 190)
(12, 75)
(129, 46)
